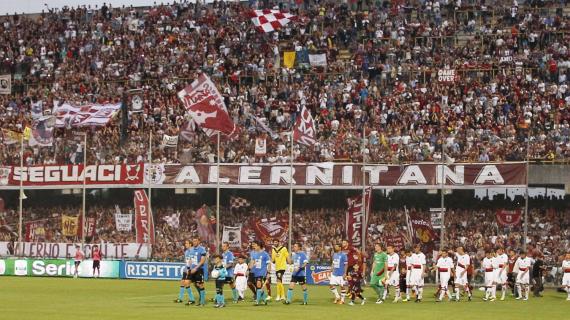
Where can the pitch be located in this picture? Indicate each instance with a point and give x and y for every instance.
(50, 298)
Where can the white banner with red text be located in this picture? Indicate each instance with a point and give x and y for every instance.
(67, 250)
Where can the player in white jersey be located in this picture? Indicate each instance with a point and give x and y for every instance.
(445, 269)
(489, 271)
(461, 280)
(522, 266)
(566, 276)
(418, 261)
(502, 269)
(408, 274)
(393, 274)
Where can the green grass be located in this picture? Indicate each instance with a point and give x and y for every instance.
(74, 299)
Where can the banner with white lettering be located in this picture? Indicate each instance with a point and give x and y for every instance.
(124, 222)
(275, 176)
(305, 131)
(169, 141)
(67, 250)
(232, 235)
(143, 218)
(447, 75)
(357, 217)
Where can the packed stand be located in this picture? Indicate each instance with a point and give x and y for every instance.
(511, 60)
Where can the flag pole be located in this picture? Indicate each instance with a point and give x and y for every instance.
(525, 230)
(83, 191)
(364, 208)
(21, 198)
(151, 220)
(218, 197)
(442, 211)
(291, 194)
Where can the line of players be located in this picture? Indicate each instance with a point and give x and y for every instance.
(389, 272)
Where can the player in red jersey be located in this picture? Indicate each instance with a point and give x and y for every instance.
(355, 257)
(96, 256)
(79, 255)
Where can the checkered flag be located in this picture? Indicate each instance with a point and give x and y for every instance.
(173, 220)
(237, 202)
(270, 20)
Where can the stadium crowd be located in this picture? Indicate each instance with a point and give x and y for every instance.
(511, 60)
(476, 230)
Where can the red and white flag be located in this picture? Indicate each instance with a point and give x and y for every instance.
(206, 106)
(270, 20)
(237, 202)
(70, 116)
(305, 131)
(143, 218)
(508, 218)
(357, 218)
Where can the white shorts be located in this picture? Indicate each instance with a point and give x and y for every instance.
(337, 281)
(408, 275)
(460, 280)
(566, 280)
(444, 279)
(394, 280)
(489, 279)
(523, 277)
(417, 278)
(501, 276)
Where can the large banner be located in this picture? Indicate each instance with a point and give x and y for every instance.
(357, 218)
(69, 226)
(42, 131)
(508, 218)
(305, 131)
(67, 250)
(56, 268)
(152, 270)
(70, 116)
(144, 223)
(326, 175)
(270, 229)
(232, 235)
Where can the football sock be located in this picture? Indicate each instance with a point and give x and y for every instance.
(181, 293)
(190, 294)
(420, 292)
(408, 293)
(503, 291)
(290, 295)
(258, 296)
(234, 294)
(457, 293)
(280, 290)
(342, 294)
(441, 293)
(202, 295)
(385, 294)
(306, 295)
(519, 291)
(335, 292)
(397, 292)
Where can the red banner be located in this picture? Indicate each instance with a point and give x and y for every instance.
(89, 226)
(423, 230)
(143, 218)
(357, 218)
(508, 218)
(397, 241)
(306, 176)
(270, 229)
(73, 175)
(305, 131)
(35, 231)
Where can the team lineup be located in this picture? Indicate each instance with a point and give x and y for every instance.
(400, 275)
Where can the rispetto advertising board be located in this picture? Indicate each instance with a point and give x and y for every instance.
(151, 270)
(56, 268)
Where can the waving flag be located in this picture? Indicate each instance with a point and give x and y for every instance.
(173, 220)
(71, 116)
(357, 217)
(237, 202)
(304, 131)
(270, 20)
(205, 105)
(42, 131)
